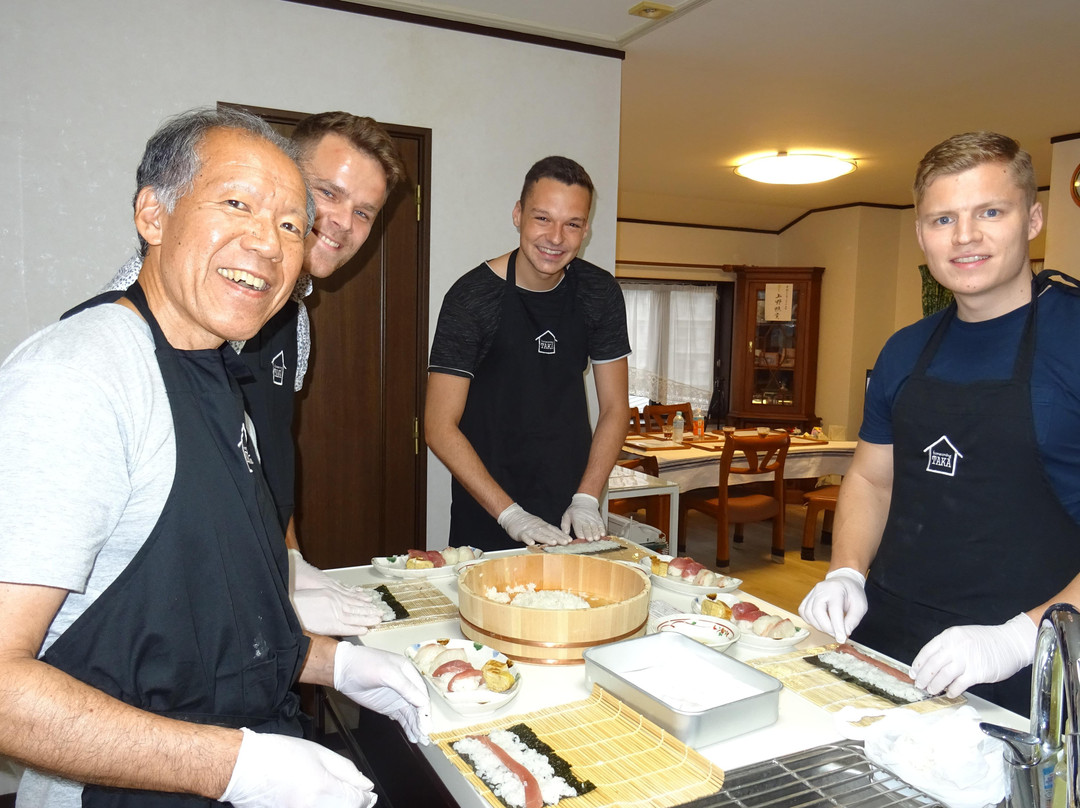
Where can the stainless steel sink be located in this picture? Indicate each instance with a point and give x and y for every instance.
(832, 775)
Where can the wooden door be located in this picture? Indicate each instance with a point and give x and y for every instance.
(361, 466)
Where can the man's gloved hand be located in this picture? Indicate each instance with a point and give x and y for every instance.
(522, 526)
(584, 515)
(305, 576)
(276, 771)
(837, 604)
(962, 656)
(334, 613)
(386, 683)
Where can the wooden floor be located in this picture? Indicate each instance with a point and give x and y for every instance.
(783, 584)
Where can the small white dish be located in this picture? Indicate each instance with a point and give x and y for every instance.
(394, 567)
(711, 631)
(685, 587)
(470, 702)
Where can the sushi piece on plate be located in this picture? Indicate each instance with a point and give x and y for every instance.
(469, 677)
(684, 574)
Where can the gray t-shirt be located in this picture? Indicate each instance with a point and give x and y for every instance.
(87, 461)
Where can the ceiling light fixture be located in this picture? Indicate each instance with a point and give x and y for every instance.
(795, 169)
(651, 11)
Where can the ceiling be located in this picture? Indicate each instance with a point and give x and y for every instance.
(878, 80)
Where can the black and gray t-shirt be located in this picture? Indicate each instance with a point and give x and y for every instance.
(471, 310)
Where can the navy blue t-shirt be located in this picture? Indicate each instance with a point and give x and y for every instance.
(987, 350)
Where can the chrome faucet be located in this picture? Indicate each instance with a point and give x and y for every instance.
(1032, 757)
(1055, 692)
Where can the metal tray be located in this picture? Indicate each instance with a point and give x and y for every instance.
(832, 775)
(611, 666)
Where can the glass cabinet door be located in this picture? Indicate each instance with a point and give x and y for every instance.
(774, 360)
(774, 381)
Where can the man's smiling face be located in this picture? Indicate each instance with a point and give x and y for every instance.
(349, 187)
(227, 256)
(552, 221)
(974, 227)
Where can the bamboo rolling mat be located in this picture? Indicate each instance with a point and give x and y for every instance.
(423, 602)
(828, 691)
(628, 552)
(630, 760)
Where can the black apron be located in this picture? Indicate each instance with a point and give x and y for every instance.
(975, 533)
(527, 416)
(199, 625)
(271, 356)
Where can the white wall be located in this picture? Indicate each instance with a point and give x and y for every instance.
(668, 244)
(830, 239)
(86, 84)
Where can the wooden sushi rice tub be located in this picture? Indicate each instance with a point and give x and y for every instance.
(618, 595)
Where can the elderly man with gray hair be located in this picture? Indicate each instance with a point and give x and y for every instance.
(147, 644)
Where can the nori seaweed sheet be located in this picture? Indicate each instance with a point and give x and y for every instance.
(855, 680)
(392, 602)
(561, 767)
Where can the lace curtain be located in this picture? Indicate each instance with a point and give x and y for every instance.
(672, 332)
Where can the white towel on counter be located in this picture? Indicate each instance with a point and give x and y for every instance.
(943, 753)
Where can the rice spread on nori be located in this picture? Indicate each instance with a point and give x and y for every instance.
(552, 776)
(868, 677)
(388, 598)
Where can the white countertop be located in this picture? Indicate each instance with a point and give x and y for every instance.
(801, 725)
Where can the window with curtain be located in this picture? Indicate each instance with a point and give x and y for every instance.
(672, 332)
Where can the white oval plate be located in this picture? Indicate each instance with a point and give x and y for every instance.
(751, 640)
(685, 587)
(748, 639)
(394, 567)
(471, 702)
(710, 631)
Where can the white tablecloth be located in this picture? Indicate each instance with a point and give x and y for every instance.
(698, 468)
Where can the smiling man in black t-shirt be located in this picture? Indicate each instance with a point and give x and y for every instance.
(506, 407)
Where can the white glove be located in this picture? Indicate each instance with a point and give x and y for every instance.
(305, 576)
(837, 604)
(584, 515)
(522, 526)
(276, 771)
(386, 683)
(334, 613)
(962, 656)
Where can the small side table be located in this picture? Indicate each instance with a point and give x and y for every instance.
(624, 483)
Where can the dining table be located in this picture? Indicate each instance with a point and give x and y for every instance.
(696, 464)
(800, 725)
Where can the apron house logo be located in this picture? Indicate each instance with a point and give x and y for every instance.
(545, 343)
(942, 457)
(278, 366)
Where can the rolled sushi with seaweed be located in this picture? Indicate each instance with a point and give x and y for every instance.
(519, 768)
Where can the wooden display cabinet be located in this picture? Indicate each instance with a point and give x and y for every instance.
(775, 346)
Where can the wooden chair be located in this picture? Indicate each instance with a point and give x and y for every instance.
(636, 422)
(656, 415)
(657, 508)
(820, 499)
(747, 455)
